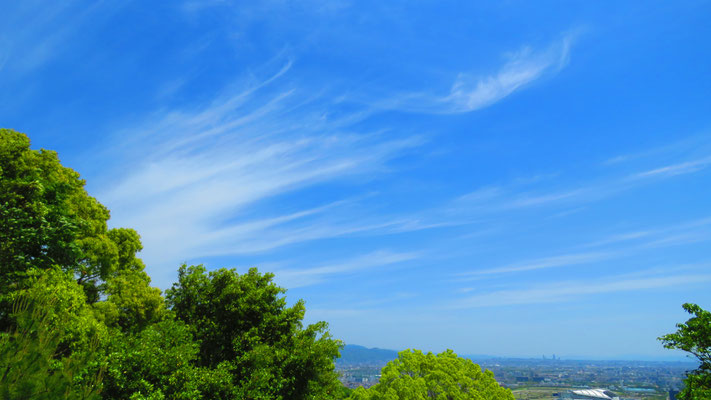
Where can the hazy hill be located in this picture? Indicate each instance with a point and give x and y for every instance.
(354, 354)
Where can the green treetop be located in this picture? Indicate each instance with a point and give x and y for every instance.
(417, 376)
(694, 337)
(87, 324)
(48, 219)
(246, 329)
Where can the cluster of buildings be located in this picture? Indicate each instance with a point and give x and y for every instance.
(365, 375)
(600, 394)
(618, 376)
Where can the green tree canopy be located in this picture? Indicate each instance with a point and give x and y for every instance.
(155, 363)
(245, 327)
(694, 337)
(131, 303)
(48, 219)
(52, 351)
(89, 310)
(414, 376)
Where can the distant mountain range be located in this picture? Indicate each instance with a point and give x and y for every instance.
(353, 354)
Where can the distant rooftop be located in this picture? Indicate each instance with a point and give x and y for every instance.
(595, 393)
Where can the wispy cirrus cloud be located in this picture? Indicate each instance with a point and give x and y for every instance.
(542, 263)
(471, 92)
(569, 290)
(34, 32)
(682, 233)
(504, 199)
(682, 168)
(614, 246)
(198, 169)
(196, 172)
(688, 146)
(293, 278)
(514, 196)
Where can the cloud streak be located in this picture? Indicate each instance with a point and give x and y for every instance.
(34, 33)
(543, 263)
(682, 168)
(568, 290)
(614, 246)
(293, 278)
(490, 200)
(470, 92)
(525, 66)
(195, 173)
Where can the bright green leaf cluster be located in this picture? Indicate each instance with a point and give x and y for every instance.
(47, 219)
(52, 352)
(694, 337)
(418, 376)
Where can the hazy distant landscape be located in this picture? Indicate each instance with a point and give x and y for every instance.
(531, 378)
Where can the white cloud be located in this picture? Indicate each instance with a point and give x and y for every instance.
(682, 233)
(613, 247)
(471, 92)
(620, 237)
(538, 200)
(542, 263)
(697, 143)
(293, 278)
(195, 173)
(35, 32)
(682, 168)
(490, 200)
(565, 291)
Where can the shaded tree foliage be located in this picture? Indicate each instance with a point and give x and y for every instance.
(52, 351)
(154, 363)
(694, 337)
(131, 303)
(245, 328)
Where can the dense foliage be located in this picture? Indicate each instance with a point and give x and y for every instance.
(694, 337)
(414, 375)
(48, 220)
(80, 320)
(245, 327)
(52, 351)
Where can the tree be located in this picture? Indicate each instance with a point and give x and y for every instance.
(52, 351)
(694, 337)
(57, 251)
(155, 363)
(131, 303)
(88, 310)
(255, 344)
(48, 219)
(414, 375)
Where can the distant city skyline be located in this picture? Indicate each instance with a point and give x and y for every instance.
(361, 367)
(511, 179)
(672, 357)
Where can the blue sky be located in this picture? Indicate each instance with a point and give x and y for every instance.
(508, 178)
